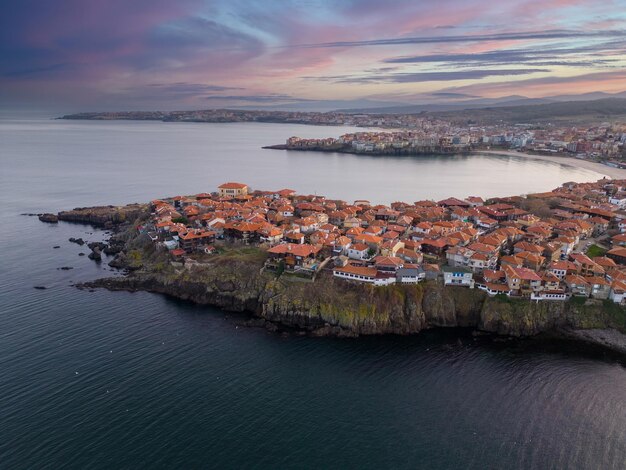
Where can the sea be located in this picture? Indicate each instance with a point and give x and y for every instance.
(118, 380)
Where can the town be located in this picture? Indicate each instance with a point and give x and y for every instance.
(569, 242)
(605, 143)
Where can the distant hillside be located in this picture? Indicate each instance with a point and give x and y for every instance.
(467, 104)
(478, 103)
(568, 111)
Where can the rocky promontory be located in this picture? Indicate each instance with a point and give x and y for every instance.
(338, 308)
(103, 216)
(233, 279)
(388, 151)
(49, 218)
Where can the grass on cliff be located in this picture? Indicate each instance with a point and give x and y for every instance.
(350, 304)
(503, 298)
(244, 253)
(616, 313)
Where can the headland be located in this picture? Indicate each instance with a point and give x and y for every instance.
(549, 263)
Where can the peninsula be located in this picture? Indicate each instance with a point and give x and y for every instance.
(597, 148)
(552, 263)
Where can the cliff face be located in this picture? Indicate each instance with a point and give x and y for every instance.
(234, 280)
(334, 307)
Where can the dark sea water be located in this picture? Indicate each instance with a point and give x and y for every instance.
(120, 380)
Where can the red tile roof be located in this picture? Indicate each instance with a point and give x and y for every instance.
(232, 185)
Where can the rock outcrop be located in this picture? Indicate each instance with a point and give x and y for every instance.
(49, 218)
(103, 216)
(339, 308)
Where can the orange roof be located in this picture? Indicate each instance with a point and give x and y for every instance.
(197, 235)
(367, 238)
(359, 247)
(604, 261)
(232, 185)
(597, 280)
(497, 287)
(617, 251)
(576, 279)
(563, 265)
(521, 273)
(491, 275)
(296, 250)
(618, 287)
(388, 261)
(531, 257)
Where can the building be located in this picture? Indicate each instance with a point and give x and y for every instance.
(410, 274)
(617, 254)
(233, 189)
(363, 274)
(359, 251)
(522, 281)
(618, 292)
(295, 256)
(458, 276)
(196, 239)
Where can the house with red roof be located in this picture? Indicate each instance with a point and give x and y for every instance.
(563, 268)
(358, 251)
(232, 189)
(618, 292)
(454, 202)
(578, 285)
(195, 239)
(363, 274)
(618, 254)
(295, 256)
(522, 281)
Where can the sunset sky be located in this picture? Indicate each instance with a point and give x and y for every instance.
(163, 54)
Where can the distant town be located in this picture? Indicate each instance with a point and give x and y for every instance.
(606, 142)
(422, 133)
(569, 242)
(234, 115)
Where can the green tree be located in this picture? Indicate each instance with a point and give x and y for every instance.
(181, 220)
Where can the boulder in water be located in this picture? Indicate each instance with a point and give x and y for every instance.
(95, 254)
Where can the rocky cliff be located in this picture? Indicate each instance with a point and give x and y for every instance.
(103, 216)
(235, 281)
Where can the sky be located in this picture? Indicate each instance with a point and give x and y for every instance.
(87, 55)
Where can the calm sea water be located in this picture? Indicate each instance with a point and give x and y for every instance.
(120, 380)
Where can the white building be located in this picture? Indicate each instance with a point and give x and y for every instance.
(458, 276)
(358, 251)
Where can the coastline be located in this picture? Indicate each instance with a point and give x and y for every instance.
(235, 276)
(236, 283)
(608, 171)
(601, 169)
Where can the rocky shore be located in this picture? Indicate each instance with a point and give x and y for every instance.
(103, 216)
(337, 308)
(234, 280)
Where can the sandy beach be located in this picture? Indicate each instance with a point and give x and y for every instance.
(608, 171)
